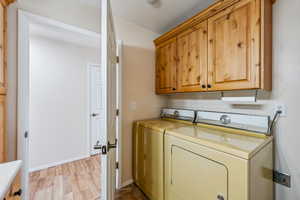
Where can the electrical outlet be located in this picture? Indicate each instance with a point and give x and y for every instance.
(133, 105)
(282, 108)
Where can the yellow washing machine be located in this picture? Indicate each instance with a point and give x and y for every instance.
(148, 146)
(226, 156)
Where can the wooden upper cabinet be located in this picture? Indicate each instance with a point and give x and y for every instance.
(166, 62)
(234, 47)
(2, 129)
(228, 46)
(192, 59)
(2, 49)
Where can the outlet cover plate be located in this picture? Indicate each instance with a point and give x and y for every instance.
(282, 107)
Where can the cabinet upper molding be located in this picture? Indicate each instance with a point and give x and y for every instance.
(201, 16)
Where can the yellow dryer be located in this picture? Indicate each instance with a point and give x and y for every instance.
(148, 146)
(229, 160)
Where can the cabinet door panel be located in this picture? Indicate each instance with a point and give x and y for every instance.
(233, 50)
(2, 128)
(192, 54)
(2, 49)
(166, 61)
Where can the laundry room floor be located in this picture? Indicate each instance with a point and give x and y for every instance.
(78, 180)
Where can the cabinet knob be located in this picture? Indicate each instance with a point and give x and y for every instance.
(18, 193)
(220, 197)
(203, 86)
(208, 86)
(174, 89)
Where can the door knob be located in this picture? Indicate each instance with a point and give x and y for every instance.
(112, 146)
(98, 146)
(95, 114)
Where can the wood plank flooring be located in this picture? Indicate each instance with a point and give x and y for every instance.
(79, 180)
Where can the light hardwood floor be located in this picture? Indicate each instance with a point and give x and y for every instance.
(79, 180)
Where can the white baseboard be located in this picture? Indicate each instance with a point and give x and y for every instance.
(57, 163)
(126, 183)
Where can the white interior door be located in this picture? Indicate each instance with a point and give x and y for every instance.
(108, 64)
(96, 110)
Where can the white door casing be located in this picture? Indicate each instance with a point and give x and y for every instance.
(96, 108)
(119, 117)
(108, 64)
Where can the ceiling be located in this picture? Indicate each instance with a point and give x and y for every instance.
(161, 17)
(158, 18)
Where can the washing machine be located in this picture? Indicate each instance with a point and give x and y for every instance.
(148, 149)
(226, 156)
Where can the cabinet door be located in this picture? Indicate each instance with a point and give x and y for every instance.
(166, 61)
(154, 164)
(192, 63)
(2, 129)
(234, 47)
(2, 49)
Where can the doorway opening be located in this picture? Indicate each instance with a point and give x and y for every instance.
(60, 109)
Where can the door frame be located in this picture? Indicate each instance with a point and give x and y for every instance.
(120, 116)
(24, 21)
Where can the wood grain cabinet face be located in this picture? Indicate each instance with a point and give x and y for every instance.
(192, 59)
(166, 62)
(228, 46)
(2, 128)
(234, 47)
(2, 49)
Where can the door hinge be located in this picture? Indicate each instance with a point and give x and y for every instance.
(118, 112)
(117, 165)
(26, 134)
(118, 59)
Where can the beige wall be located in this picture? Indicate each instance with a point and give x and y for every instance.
(286, 85)
(139, 99)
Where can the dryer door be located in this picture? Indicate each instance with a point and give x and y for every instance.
(195, 177)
